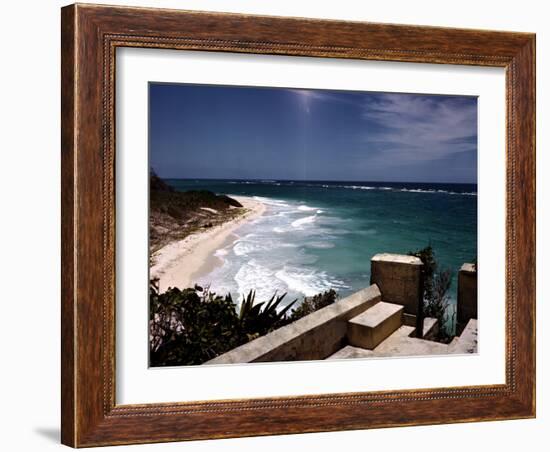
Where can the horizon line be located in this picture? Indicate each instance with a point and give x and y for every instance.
(317, 180)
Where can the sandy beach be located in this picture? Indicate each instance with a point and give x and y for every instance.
(180, 263)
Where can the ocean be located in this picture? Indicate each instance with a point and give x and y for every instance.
(318, 235)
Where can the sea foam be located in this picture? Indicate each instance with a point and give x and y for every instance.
(303, 221)
(307, 282)
(254, 276)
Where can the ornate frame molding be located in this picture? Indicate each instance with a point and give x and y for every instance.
(90, 36)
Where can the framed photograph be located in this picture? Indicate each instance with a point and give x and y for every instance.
(282, 225)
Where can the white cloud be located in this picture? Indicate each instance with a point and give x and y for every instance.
(412, 128)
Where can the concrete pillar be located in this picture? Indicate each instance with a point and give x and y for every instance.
(466, 303)
(399, 278)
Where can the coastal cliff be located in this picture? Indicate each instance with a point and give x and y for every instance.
(187, 227)
(174, 215)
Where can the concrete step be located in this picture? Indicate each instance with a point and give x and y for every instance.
(431, 326)
(374, 325)
(349, 351)
(403, 331)
(454, 342)
(467, 341)
(401, 343)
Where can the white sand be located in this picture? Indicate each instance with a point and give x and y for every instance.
(180, 263)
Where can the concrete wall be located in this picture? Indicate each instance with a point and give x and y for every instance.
(399, 278)
(467, 294)
(315, 336)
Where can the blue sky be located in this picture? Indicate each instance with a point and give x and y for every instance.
(205, 131)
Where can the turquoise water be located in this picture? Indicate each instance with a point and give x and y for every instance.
(319, 235)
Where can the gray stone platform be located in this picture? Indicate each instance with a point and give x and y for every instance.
(378, 321)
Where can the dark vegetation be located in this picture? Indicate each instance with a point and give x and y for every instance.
(192, 326)
(312, 304)
(437, 283)
(173, 215)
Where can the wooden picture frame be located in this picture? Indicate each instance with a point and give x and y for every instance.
(90, 36)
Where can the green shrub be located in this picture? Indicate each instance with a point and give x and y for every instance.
(312, 304)
(436, 286)
(192, 326)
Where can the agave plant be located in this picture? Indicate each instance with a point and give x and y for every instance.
(194, 325)
(261, 318)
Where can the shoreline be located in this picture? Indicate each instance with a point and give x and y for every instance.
(180, 263)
